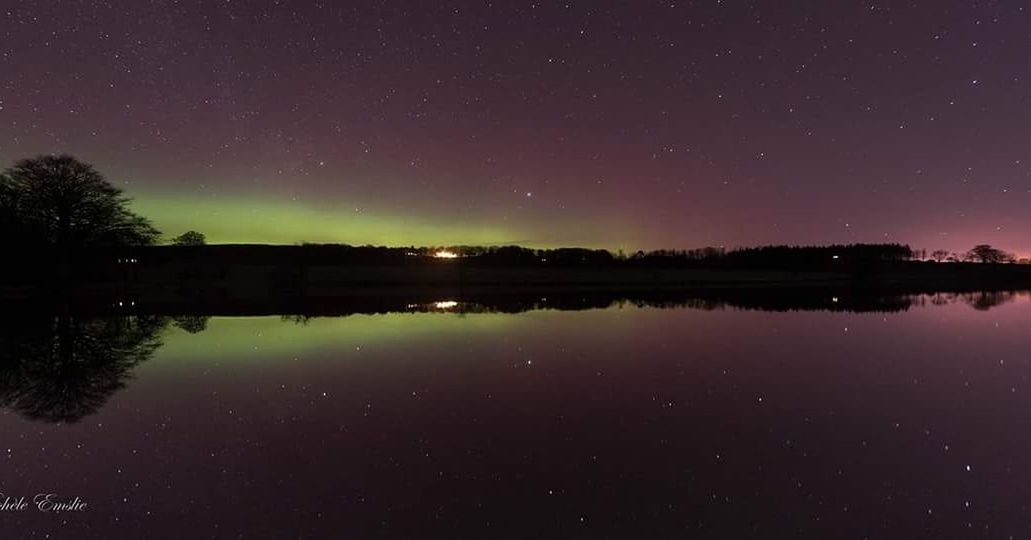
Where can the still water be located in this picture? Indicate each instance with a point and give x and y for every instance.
(625, 421)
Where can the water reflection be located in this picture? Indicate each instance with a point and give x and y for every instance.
(715, 418)
(979, 300)
(191, 324)
(63, 368)
(986, 300)
(191, 313)
(779, 300)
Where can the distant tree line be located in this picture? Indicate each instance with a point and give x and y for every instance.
(766, 257)
(850, 257)
(981, 253)
(757, 257)
(779, 257)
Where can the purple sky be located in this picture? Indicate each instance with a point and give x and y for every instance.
(615, 124)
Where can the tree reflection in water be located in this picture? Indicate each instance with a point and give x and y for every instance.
(64, 368)
(983, 301)
(191, 324)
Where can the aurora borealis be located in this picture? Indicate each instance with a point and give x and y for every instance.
(602, 124)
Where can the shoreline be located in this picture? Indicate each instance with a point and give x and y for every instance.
(238, 278)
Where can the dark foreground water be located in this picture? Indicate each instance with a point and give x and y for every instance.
(625, 422)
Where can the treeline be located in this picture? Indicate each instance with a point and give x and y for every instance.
(772, 257)
(849, 258)
(768, 257)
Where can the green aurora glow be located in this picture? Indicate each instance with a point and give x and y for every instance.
(253, 221)
(269, 339)
(272, 338)
(249, 218)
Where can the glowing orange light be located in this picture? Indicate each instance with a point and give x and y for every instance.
(445, 254)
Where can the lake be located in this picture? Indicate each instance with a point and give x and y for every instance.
(704, 419)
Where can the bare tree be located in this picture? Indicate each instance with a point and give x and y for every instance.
(63, 202)
(939, 255)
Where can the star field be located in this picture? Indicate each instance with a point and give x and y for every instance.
(595, 422)
(609, 124)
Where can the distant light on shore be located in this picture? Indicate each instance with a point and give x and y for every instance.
(445, 254)
(446, 304)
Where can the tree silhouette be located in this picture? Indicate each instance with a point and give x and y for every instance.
(189, 238)
(62, 368)
(939, 255)
(62, 202)
(987, 254)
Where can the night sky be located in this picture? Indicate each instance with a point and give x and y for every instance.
(607, 124)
